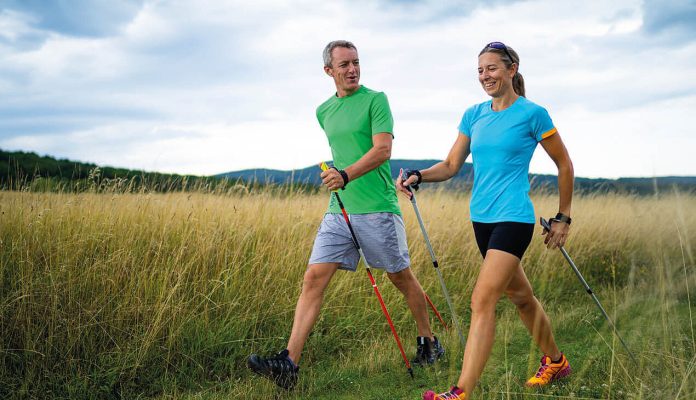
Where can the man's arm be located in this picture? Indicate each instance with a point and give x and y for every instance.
(378, 154)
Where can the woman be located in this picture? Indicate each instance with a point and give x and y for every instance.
(501, 134)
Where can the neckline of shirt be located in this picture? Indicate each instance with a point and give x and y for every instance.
(360, 89)
(490, 106)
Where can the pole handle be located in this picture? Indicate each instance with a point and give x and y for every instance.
(324, 167)
(410, 188)
(403, 179)
(545, 224)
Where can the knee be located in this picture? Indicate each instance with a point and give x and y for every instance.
(403, 280)
(523, 300)
(314, 282)
(483, 302)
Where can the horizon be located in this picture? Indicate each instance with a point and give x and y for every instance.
(313, 164)
(200, 87)
(469, 162)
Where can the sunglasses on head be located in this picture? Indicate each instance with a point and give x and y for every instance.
(501, 46)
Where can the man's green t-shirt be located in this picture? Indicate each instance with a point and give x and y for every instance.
(349, 123)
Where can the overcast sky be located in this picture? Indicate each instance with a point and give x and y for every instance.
(210, 86)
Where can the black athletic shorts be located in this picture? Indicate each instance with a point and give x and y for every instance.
(510, 237)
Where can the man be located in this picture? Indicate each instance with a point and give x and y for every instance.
(358, 124)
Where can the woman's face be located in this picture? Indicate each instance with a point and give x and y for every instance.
(495, 79)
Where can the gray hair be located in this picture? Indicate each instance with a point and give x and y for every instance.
(328, 59)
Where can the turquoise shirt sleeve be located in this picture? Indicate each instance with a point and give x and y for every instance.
(465, 124)
(541, 125)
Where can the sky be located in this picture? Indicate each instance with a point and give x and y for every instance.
(210, 86)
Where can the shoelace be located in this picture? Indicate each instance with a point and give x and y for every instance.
(280, 362)
(448, 395)
(542, 370)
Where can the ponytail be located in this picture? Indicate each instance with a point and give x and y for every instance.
(518, 84)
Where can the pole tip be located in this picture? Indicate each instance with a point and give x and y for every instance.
(410, 371)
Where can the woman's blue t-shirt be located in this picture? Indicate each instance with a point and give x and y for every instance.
(502, 145)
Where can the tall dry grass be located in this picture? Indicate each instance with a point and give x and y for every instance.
(107, 295)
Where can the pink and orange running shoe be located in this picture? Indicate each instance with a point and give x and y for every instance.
(454, 393)
(549, 371)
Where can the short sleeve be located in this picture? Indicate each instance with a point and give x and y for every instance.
(380, 115)
(465, 124)
(541, 124)
(320, 118)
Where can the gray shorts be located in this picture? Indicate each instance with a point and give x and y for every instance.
(382, 237)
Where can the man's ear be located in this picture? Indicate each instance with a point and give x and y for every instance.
(328, 71)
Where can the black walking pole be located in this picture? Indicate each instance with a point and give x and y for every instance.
(547, 227)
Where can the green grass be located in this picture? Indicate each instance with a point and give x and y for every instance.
(165, 295)
(372, 369)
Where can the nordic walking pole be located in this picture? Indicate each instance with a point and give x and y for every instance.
(435, 264)
(547, 227)
(437, 313)
(324, 167)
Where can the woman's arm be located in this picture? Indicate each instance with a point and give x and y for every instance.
(554, 147)
(443, 170)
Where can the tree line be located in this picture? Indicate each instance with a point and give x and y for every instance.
(29, 171)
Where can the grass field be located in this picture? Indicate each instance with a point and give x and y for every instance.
(107, 295)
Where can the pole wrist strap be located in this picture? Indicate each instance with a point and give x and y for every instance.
(560, 217)
(344, 175)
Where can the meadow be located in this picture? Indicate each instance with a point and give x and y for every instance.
(108, 295)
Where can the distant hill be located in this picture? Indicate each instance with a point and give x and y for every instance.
(21, 169)
(464, 179)
(310, 175)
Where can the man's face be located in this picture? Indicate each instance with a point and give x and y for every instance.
(345, 70)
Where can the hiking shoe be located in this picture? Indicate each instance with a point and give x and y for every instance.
(438, 350)
(279, 368)
(549, 371)
(427, 351)
(454, 393)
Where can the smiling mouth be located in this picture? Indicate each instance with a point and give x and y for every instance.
(489, 85)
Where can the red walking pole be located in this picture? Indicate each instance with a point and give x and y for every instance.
(324, 167)
(437, 313)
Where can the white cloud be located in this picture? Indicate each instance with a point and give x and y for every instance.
(210, 86)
